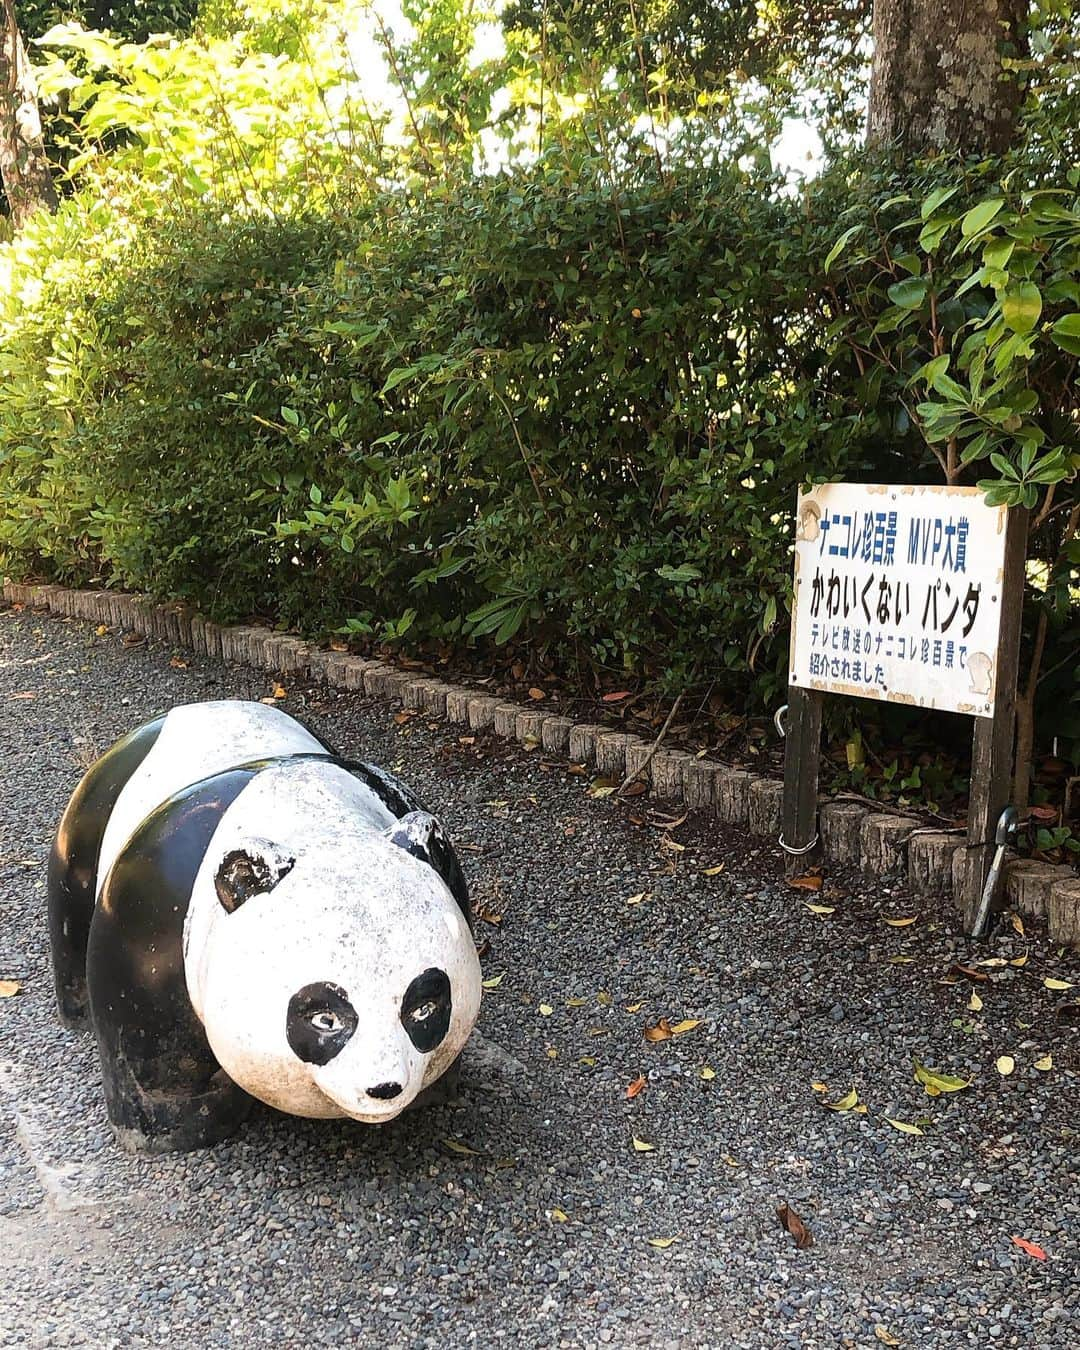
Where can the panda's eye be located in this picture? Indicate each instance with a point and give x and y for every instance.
(424, 1011)
(326, 1021)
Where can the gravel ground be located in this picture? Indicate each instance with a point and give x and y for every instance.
(522, 1214)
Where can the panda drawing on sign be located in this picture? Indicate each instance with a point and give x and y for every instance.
(241, 914)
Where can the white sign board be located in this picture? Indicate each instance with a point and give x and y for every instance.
(898, 594)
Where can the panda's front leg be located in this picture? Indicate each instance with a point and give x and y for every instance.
(161, 1104)
(164, 1089)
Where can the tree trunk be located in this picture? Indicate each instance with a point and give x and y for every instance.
(24, 169)
(938, 82)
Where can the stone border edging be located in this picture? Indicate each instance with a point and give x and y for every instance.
(851, 833)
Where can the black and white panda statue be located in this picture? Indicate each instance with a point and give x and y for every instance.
(242, 914)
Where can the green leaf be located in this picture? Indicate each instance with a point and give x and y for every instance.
(937, 198)
(684, 572)
(908, 294)
(998, 253)
(933, 368)
(840, 245)
(511, 624)
(291, 416)
(399, 376)
(979, 217)
(1021, 307)
(1068, 325)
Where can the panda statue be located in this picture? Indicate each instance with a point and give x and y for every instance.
(242, 914)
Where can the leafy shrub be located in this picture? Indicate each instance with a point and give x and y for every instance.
(524, 406)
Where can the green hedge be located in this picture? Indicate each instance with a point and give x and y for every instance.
(505, 408)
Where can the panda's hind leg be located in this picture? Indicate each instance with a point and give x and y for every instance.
(72, 883)
(164, 1089)
(71, 908)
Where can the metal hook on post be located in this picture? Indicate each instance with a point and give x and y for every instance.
(780, 720)
(1003, 837)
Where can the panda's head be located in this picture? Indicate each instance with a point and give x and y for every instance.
(331, 966)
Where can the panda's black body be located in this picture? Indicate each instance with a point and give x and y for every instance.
(118, 940)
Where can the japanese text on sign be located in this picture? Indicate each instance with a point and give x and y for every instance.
(897, 594)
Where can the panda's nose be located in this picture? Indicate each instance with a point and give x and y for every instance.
(385, 1092)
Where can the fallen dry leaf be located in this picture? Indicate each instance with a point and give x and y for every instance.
(968, 973)
(279, 691)
(1045, 1064)
(9, 988)
(975, 1003)
(1018, 924)
(660, 1032)
(708, 1074)
(1032, 1248)
(1049, 983)
(819, 909)
(902, 923)
(636, 788)
(936, 1083)
(637, 1087)
(546, 1009)
(537, 694)
(795, 1226)
(559, 1215)
(663, 1243)
(846, 1103)
(576, 1002)
(713, 871)
(634, 1007)
(903, 1126)
(615, 698)
(642, 1146)
(885, 1336)
(1005, 1064)
(456, 1146)
(178, 663)
(687, 1024)
(812, 881)
(640, 898)
(494, 982)
(1019, 960)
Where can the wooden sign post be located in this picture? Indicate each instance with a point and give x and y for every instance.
(910, 595)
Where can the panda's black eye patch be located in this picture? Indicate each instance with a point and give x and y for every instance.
(319, 1022)
(243, 874)
(426, 1009)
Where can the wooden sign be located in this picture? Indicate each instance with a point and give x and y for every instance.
(912, 595)
(898, 594)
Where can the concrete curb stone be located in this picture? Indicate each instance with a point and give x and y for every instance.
(850, 832)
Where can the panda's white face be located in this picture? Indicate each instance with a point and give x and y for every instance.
(333, 972)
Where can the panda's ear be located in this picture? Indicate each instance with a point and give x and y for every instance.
(252, 870)
(421, 835)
